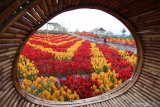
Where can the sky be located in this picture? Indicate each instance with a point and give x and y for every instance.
(88, 19)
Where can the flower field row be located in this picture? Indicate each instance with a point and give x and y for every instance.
(87, 34)
(122, 41)
(113, 40)
(62, 67)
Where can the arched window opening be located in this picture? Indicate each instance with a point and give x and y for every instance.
(78, 54)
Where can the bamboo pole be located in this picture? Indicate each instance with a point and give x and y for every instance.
(21, 26)
(24, 21)
(43, 6)
(11, 36)
(40, 12)
(49, 5)
(16, 31)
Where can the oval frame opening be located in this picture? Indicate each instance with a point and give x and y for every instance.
(113, 93)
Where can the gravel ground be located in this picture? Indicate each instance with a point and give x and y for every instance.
(118, 46)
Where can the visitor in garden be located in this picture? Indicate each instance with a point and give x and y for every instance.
(105, 40)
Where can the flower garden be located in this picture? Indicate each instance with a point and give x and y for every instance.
(62, 67)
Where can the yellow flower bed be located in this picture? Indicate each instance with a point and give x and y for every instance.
(98, 60)
(26, 68)
(48, 88)
(106, 80)
(43, 87)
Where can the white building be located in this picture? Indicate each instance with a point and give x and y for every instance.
(99, 31)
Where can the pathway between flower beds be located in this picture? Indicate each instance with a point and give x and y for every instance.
(118, 46)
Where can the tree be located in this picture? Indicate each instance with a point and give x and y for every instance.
(124, 31)
(77, 30)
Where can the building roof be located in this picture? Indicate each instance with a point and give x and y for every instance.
(98, 29)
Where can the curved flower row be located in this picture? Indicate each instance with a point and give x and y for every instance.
(59, 55)
(63, 38)
(51, 42)
(61, 48)
(50, 37)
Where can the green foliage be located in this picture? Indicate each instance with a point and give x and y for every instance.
(129, 37)
(105, 69)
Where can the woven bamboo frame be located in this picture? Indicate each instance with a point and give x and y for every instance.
(142, 20)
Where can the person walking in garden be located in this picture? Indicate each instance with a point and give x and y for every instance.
(104, 40)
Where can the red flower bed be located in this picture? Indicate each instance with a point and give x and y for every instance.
(82, 85)
(35, 54)
(74, 66)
